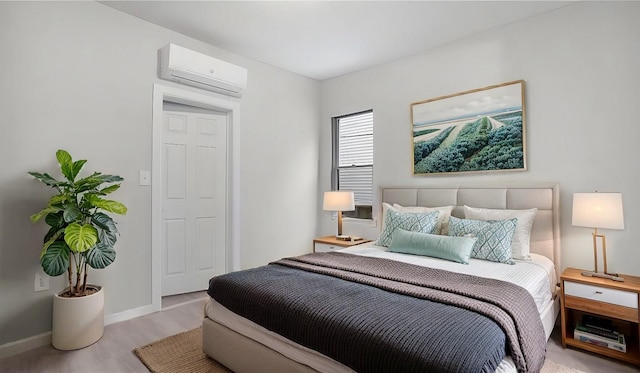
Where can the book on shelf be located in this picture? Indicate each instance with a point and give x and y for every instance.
(618, 344)
(605, 333)
(599, 323)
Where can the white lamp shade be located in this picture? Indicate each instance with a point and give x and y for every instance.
(338, 201)
(598, 210)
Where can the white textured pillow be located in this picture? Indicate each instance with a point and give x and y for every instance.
(521, 244)
(444, 213)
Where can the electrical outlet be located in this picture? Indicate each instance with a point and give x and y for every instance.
(41, 282)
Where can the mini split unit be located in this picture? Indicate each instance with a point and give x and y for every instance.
(189, 67)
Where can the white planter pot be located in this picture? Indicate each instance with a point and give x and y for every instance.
(77, 322)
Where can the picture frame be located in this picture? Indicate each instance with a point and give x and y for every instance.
(481, 130)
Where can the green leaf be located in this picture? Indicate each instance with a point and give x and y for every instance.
(94, 180)
(109, 238)
(66, 165)
(89, 184)
(114, 206)
(67, 172)
(54, 220)
(100, 256)
(55, 259)
(76, 167)
(71, 213)
(108, 205)
(35, 217)
(63, 157)
(93, 176)
(110, 178)
(80, 238)
(110, 189)
(45, 178)
(104, 222)
(57, 199)
(52, 235)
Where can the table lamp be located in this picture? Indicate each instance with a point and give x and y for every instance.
(598, 211)
(339, 201)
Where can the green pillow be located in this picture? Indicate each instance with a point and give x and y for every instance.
(494, 237)
(455, 249)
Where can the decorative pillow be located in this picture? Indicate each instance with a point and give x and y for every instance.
(385, 208)
(424, 223)
(494, 237)
(455, 249)
(521, 244)
(443, 217)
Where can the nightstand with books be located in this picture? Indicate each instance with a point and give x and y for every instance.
(600, 332)
(601, 315)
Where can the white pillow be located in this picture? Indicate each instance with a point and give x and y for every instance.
(444, 212)
(521, 244)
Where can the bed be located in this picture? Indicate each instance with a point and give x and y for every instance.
(247, 346)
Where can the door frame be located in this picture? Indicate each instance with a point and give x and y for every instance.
(163, 93)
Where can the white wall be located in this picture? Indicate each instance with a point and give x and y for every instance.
(79, 76)
(580, 66)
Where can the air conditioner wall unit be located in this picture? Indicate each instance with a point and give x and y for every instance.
(189, 67)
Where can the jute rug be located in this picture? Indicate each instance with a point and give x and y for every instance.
(182, 353)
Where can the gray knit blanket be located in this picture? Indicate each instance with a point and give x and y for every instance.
(379, 315)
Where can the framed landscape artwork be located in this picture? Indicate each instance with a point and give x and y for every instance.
(473, 131)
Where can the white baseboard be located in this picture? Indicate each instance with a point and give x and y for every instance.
(128, 314)
(185, 303)
(26, 344)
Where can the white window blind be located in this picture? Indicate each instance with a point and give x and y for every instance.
(353, 156)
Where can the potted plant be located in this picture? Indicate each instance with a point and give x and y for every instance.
(81, 235)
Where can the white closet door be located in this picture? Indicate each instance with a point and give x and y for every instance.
(193, 200)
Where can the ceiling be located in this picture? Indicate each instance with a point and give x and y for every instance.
(325, 39)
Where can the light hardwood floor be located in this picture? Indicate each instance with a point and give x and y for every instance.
(113, 353)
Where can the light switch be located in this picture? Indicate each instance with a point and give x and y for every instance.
(145, 178)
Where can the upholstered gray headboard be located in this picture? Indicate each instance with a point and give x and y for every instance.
(545, 234)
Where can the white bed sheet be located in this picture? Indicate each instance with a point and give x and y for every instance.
(537, 275)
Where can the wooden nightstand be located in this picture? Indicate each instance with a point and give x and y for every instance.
(330, 243)
(617, 301)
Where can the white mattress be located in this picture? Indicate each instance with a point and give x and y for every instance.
(537, 276)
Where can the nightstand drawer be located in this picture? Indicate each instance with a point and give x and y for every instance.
(601, 294)
(323, 248)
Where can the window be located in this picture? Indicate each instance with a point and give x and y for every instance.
(353, 160)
